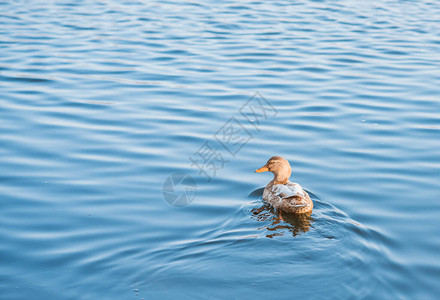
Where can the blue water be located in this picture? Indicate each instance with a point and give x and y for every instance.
(102, 101)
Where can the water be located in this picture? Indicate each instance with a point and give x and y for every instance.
(101, 101)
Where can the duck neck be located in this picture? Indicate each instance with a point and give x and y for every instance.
(281, 177)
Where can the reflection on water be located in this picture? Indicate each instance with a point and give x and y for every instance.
(280, 221)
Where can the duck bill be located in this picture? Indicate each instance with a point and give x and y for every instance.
(262, 169)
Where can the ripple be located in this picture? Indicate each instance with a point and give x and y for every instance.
(101, 101)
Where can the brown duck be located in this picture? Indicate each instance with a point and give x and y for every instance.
(280, 192)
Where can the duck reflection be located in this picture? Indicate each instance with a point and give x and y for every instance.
(281, 222)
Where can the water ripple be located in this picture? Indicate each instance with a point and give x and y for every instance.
(102, 101)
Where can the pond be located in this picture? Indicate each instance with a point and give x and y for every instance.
(130, 132)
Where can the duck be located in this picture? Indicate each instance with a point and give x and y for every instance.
(282, 194)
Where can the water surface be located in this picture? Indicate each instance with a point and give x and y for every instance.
(101, 101)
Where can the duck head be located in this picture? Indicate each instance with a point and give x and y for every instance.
(280, 168)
